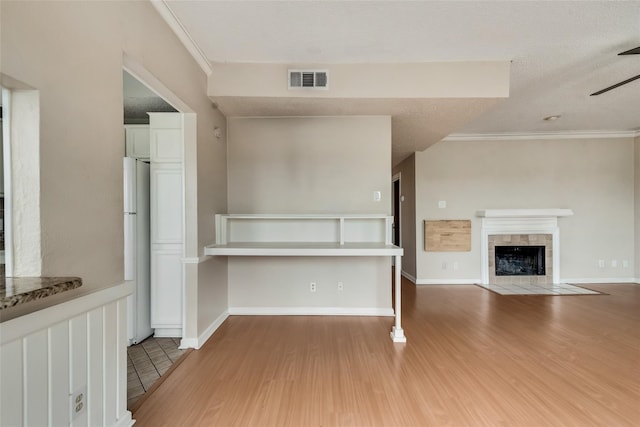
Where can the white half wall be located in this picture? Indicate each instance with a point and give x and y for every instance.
(281, 282)
(47, 358)
(593, 177)
(309, 165)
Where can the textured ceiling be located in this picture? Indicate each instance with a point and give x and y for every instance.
(140, 100)
(560, 51)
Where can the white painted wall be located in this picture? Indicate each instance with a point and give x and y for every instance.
(49, 356)
(594, 177)
(407, 169)
(25, 182)
(78, 74)
(309, 165)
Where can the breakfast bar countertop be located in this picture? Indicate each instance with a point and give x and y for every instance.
(19, 290)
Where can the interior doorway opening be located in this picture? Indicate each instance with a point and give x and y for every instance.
(396, 210)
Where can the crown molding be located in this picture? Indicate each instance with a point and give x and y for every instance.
(174, 23)
(542, 135)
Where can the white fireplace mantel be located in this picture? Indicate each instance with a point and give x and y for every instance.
(523, 213)
(520, 221)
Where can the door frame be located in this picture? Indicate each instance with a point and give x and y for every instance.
(189, 207)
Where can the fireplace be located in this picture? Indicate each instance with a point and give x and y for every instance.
(520, 246)
(525, 259)
(520, 261)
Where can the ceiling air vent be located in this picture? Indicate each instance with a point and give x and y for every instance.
(308, 79)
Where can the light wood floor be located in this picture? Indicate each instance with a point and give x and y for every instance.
(473, 358)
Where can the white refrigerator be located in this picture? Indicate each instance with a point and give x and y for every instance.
(137, 248)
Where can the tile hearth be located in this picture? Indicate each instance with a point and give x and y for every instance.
(557, 289)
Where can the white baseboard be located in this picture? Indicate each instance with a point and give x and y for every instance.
(199, 342)
(600, 280)
(125, 420)
(408, 276)
(448, 281)
(211, 329)
(167, 332)
(188, 343)
(310, 311)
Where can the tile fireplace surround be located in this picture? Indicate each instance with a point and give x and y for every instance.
(545, 240)
(521, 227)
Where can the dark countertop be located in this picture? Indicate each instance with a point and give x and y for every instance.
(19, 290)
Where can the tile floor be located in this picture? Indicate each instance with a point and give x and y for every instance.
(558, 289)
(146, 362)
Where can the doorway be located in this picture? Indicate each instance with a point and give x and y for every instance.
(148, 356)
(138, 101)
(396, 210)
(188, 282)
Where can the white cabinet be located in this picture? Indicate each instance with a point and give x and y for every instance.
(137, 141)
(166, 203)
(166, 137)
(167, 189)
(163, 148)
(166, 292)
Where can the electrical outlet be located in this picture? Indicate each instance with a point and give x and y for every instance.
(312, 287)
(601, 263)
(614, 263)
(444, 265)
(78, 402)
(456, 265)
(340, 286)
(625, 263)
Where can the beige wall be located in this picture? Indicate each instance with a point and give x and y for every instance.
(592, 177)
(637, 207)
(72, 53)
(309, 165)
(407, 171)
(471, 79)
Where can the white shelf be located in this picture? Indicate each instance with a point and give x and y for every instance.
(319, 235)
(303, 249)
(302, 228)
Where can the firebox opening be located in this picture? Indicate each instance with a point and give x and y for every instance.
(520, 261)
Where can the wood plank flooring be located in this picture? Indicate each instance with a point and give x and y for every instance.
(473, 358)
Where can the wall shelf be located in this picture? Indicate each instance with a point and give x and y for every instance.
(321, 235)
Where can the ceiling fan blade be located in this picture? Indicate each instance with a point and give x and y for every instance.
(635, 51)
(607, 89)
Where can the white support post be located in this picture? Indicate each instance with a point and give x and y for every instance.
(397, 333)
